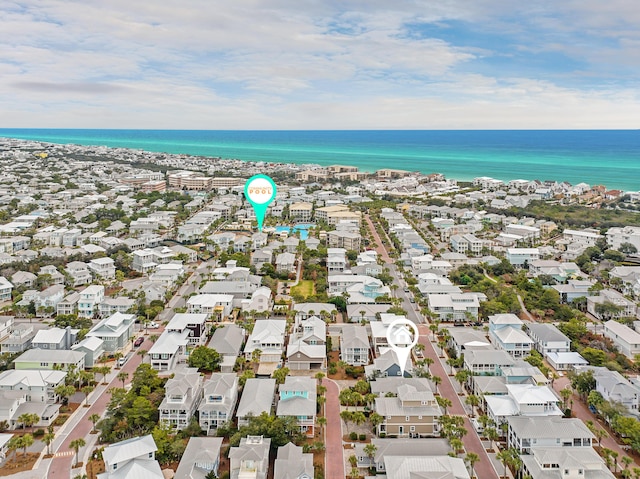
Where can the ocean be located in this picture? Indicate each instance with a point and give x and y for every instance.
(609, 157)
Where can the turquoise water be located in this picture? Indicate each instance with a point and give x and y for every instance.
(610, 157)
(303, 228)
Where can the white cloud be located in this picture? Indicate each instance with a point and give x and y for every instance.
(323, 64)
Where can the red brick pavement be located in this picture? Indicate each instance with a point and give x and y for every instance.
(61, 465)
(334, 457)
(483, 468)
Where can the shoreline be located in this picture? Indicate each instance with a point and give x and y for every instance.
(363, 166)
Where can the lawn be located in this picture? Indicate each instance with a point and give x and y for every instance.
(304, 288)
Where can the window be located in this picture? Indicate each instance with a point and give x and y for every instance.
(151, 455)
(407, 418)
(412, 428)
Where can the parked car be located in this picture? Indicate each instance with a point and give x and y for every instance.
(153, 325)
(138, 341)
(121, 361)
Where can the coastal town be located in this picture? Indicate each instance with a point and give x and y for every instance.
(150, 330)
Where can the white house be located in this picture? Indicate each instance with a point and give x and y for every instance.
(268, 337)
(625, 338)
(89, 300)
(505, 332)
(115, 331)
(103, 267)
(131, 458)
(518, 257)
(183, 393)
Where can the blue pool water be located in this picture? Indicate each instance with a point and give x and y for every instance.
(303, 228)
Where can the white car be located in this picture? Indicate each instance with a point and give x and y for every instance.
(153, 326)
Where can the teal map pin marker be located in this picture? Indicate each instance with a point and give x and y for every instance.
(260, 191)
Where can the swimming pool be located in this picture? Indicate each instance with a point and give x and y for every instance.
(303, 228)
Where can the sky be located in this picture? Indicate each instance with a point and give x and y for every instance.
(320, 64)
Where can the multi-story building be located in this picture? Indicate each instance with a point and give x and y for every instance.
(505, 332)
(527, 432)
(90, 298)
(412, 413)
(251, 459)
(183, 393)
(257, 397)
(297, 398)
(103, 267)
(301, 211)
(268, 337)
(115, 331)
(617, 236)
(5, 289)
(131, 458)
(354, 345)
(220, 395)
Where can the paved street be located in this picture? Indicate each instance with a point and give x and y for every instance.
(484, 468)
(61, 465)
(334, 467)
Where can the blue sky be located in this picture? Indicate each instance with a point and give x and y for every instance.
(318, 64)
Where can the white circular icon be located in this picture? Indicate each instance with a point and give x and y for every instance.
(260, 191)
(399, 334)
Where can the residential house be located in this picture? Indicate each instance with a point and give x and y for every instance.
(387, 364)
(344, 239)
(131, 458)
(297, 398)
(227, 340)
(5, 289)
(483, 362)
(397, 447)
(103, 267)
(505, 332)
(23, 278)
(615, 387)
(626, 339)
(574, 289)
(521, 257)
(194, 323)
(458, 307)
(90, 298)
(54, 276)
(115, 331)
(200, 459)
(213, 305)
(545, 462)
(19, 340)
(93, 349)
(14, 403)
(548, 339)
(6, 323)
(69, 304)
(354, 345)
(169, 350)
(306, 349)
(292, 463)
(336, 260)
(38, 385)
(183, 393)
(523, 400)
(50, 359)
(220, 395)
(257, 397)
(77, 274)
(259, 302)
(412, 413)
(285, 262)
(251, 459)
(268, 337)
(462, 339)
(113, 305)
(54, 338)
(527, 432)
(610, 304)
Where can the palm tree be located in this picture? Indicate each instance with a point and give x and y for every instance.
(48, 438)
(94, 418)
(472, 401)
(565, 394)
(27, 441)
(436, 380)
(370, 450)
(117, 357)
(322, 422)
(504, 457)
(123, 376)
(86, 391)
(444, 403)
(14, 444)
(142, 353)
(76, 444)
(28, 419)
(471, 458)
(346, 416)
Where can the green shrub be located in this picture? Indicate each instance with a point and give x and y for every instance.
(38, 432)
(353, 436)
(362, 437)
